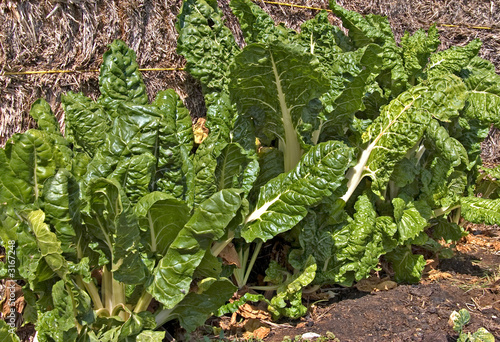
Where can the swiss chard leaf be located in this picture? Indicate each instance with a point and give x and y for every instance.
(173, 275)
(481, 210)
(407, 266)
(161, 217)
(120, 79)
(284, 200)
(205, 41)
(288, 299)
(277, 86)
(197, 307)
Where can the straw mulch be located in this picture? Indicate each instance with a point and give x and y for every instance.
(73, 34)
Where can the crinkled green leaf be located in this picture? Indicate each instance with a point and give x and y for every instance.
(48, 243)
(460, 319)
(235, 169)
(8, 334)
(364, 30)
(481, 335)
(442, 144)
(407, 266)
(174, 167)
(133, 134)
(284, 200)
(471, 134)
(321, 38)
(205, 163)
(270, 166)
(47, 123)
(315, 239)
(406, 171)
(86, 122)
(205, 41)
(288, 299)
(452, 60)
(136, 323)
(209, 267)
(173, 275)
(235, 305)
(448, 231)
(150, 336)
(444, 180)
(161, 217)
(135, 174)
(61, 198)
(257, 26)
(411, 217)
(275, 273)
(356, 246)
(221, 162)
(416, 50)
(345, 99)
(481, 210)
(196, 307)
(58, 324)
(399, 127)
(28, 256)
(45, 118)
(483, 90)
(120, 80)
(110, 222)
(27, 161)
(278, 87)
(448, 94)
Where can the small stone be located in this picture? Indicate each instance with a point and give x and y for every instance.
(310, 336)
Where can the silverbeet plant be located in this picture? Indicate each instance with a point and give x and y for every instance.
(346, 147)
(104, 218)
(366, 147)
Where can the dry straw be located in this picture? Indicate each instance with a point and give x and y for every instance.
(51, 47)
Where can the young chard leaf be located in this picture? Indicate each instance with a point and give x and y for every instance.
(257, 26)
(288, 299)
(205, 41)
(49, 245)
(120, 80)
(86, 122)
(407, 266)
(483, 90)
(197, 307)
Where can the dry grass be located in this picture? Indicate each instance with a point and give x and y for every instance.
(72, 34)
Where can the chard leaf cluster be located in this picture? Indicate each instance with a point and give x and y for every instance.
(346, 147)
(106, 219)
(365, 146)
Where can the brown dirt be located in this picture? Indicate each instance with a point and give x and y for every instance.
(469, 280)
